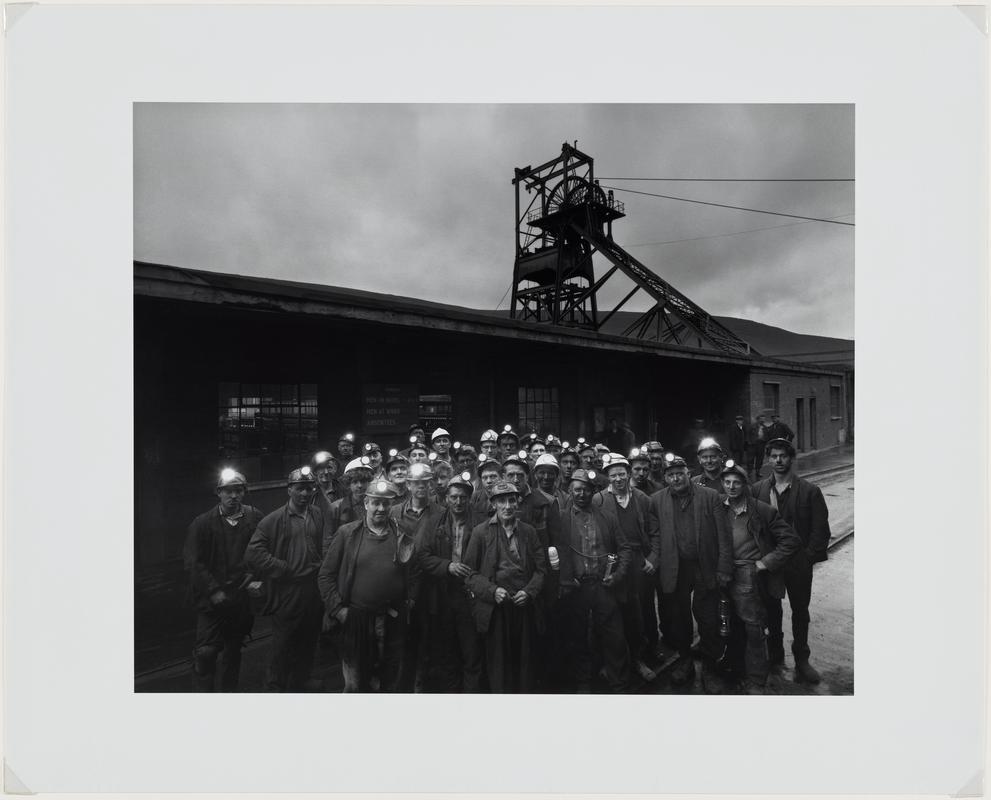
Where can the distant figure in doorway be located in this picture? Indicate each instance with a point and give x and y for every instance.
(758, 441)
(739, 441)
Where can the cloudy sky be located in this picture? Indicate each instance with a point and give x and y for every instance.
(417, 200)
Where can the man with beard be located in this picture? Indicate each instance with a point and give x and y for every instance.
(762, 544)
(284, 551)
(594, 562)
(640, 472)
(345, 447)
(489, 474)
(368, 581)
(692, 549)
(219, 582)
(508, 567)
(631, 508)
(801, 504)
(711, 458)
(509, 442)
(451, 650)
(357, 476)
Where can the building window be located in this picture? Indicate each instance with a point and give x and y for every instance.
(436, 411)
(772, 396)
(538, 410)
(267, 429)
(836, 402)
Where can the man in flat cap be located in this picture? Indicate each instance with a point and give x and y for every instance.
(762, 545)
(368, 580)
(801, 504)
(508, 567)
(594, 564)
(450, 647)
(214, 555)
(692, 550)
(284, 551)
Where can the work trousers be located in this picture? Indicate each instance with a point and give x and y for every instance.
(509, 648)
(220, 631)
(296, 627)
(450, 646)
(371, 646)
(593, 615)
(758, 459)
(798, 584)
(691, 598)
(750, 609)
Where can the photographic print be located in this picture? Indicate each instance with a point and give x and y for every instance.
(384, 441)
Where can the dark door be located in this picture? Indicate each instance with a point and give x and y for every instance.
(813, 435)
(800, 423)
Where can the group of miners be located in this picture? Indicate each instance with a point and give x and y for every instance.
(527, 564)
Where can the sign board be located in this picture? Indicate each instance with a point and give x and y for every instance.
(389, 407)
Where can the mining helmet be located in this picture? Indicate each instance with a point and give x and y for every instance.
(508, 433)
(584, 447)
(346, 437)
(585, 476)
(708, 443)
(611, 460)
(371, 447)
(638, 454)
(671, 461)
(546, 460)
(487, 463)
(420, 472)
(467, 449)
(358, 463)
(416, 426)
(488, 436)
(732, 468)
(567, 450)
(503, 488)
(653, 447)
(784, 444)
(519, 458)
(551, 439)
(395, 457)
(301, 475)
(387, 490)
(321, 459)
(601, 448)
(439, 433)
(533, 439)
(462, 479)
(230, 477)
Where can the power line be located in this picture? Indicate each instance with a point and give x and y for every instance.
(721, 235)
(739, 180)
(736, 208)
(503, 297)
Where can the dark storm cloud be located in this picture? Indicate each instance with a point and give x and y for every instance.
(416, 199)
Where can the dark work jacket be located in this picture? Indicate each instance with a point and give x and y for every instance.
(340, 512)
(480, 503)
(214, 554)
(434, 548)
(775, 538)
(542, 514)
(268, 548)
(805, 510)
(715, 484)
(649, 486)
(336, 575)
(483, 558)
(713, 537)
(612, 542)
(778, 430)
(641, 503)
(739, 440)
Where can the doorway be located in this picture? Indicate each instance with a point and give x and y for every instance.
(813, 434)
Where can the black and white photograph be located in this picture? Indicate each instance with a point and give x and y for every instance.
(483, 399)
(386, 443)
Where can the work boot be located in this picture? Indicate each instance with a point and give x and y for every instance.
(775, 652)
(683, 671)
(645, 672)
(712, 681)
(805, 672)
